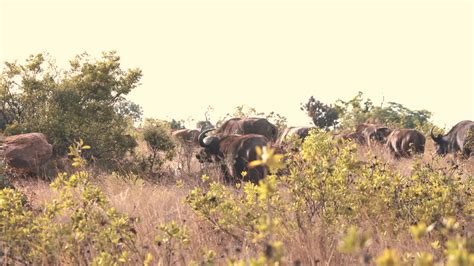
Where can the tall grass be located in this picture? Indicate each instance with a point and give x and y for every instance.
(150, 204)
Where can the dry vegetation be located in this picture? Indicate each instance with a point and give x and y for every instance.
(151, 204)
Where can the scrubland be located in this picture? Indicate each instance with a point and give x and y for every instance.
(330, 203)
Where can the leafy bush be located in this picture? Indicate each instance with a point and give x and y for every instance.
(157, 135)
(86, 229)
(85, 101)
(205, 124)
(456, 249)
(4, 182)
(171, 236)
(324, 116)
(359, 110)
(176, 124)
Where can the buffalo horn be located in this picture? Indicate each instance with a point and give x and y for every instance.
(201, 137)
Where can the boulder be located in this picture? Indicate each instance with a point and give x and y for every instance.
(27, 151)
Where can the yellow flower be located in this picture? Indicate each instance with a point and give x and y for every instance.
(204, 178)
(267, 157)
(388, 258)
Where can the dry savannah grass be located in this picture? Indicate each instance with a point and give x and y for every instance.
(151, 204)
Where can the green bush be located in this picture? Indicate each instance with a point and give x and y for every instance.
(157, 135)
(359, 110)
(86, 229)
(85, 101)
(324, 116)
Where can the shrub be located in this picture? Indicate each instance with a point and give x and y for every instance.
(85, 101)
(359, 110)
(157, 135)
(86, 229)
(326, 184)
(324, 116)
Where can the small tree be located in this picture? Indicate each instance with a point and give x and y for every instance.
(86, 101)
(324, 116)
(204, 124)
(157, 135)
(176, 124)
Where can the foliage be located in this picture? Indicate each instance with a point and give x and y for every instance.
(3, 121)
(176, 124)
(389, 257)
(325, 183)
(324, 116)
(85, 101)
(458, 249)
(157, 135)
(86, 229)
(250, 214)
(171, 237)
(354, 240)
(4, 182)
(204, 124)
(268, 157)
(359, 110)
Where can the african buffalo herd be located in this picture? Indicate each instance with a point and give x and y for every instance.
(233, 144)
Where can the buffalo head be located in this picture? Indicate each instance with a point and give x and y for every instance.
(441, 143)
(233, 153)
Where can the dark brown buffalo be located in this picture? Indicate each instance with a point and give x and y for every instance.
(300, 132)
(405, 142)
(372, 133)
(234, 153)
(187, 136)
(243, 126)
(459, 138)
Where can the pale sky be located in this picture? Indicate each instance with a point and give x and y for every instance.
(264, 54)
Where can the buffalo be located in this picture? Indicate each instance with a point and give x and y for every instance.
(187, 136)
(234, 153)
(243, 126)
(459, 139)
(300, 132)
(404, 142)
(371, 132)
